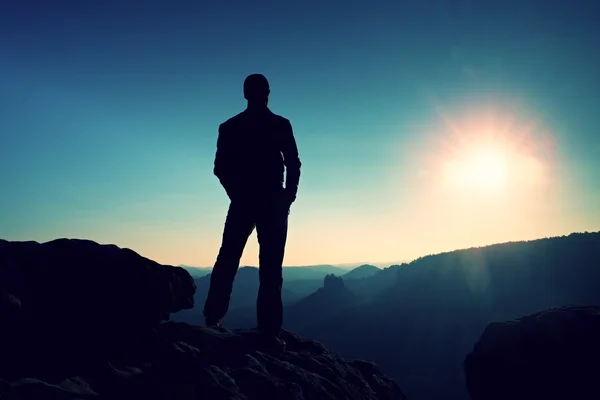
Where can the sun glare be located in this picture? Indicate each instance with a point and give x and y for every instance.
(489, 153)
(485, 172)
(487, 168)
(478, 169)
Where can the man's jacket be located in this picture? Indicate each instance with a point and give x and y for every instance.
(253, 149)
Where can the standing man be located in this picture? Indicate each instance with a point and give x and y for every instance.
(253, 150)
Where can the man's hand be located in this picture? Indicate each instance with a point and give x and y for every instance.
(291, 161)
(288, 198)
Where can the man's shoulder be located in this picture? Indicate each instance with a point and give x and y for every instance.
(241, 118)
(231, 121)
(280, 119)
(280, 122)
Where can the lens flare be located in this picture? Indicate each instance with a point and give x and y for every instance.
(485, 169)
(483, 151)
(484, 173)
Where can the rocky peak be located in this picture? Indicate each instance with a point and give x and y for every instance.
(332, 282)
(81, 320)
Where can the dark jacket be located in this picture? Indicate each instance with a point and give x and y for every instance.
(252, 150)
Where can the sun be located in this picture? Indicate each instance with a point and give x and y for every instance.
(486, 168)
(477, 168)
(482, 172)
(488, 152)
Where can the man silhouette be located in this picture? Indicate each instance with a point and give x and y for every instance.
(253, 149)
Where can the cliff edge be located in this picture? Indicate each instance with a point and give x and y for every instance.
(80, 320)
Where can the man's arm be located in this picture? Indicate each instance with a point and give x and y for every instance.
(223, 162)
(291, 159)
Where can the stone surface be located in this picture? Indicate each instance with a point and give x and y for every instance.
(79, 320)
(552, 354)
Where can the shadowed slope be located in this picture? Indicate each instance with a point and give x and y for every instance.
(363, 271)
(321, 305)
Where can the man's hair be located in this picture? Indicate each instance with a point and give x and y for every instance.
(256, 87)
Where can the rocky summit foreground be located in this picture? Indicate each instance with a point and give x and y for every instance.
(79, 320)
(549, 355)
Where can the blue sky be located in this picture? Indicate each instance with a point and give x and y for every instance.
(110, 113)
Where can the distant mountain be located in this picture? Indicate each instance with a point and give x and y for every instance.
(298, 282)
(331, 299)
(385, 264)
(311, 272)
(244, 294)
(197, 272)
(419, 329)
(371, 286)
(303, 287)
(363, 271)
(364, 289)
(289, 273)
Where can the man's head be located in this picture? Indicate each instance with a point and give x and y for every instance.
(256, 89)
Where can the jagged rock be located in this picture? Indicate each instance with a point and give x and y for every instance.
(332, 282)
(10, 309)
(64, 297)
(67, 279)
(179, 361)
(330, 300)
(549, 355)
(28, 388)
(82, 321)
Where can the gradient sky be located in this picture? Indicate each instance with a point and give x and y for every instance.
(109, 113)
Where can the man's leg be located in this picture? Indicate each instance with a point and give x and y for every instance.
(272, 234)
(239, 224)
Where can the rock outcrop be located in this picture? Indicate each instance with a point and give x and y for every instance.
(79, 320)
(332, 282)
(79, 280)
(552, 354)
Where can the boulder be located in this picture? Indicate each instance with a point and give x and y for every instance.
(64, 298)
(552, 354)
(79, 280)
